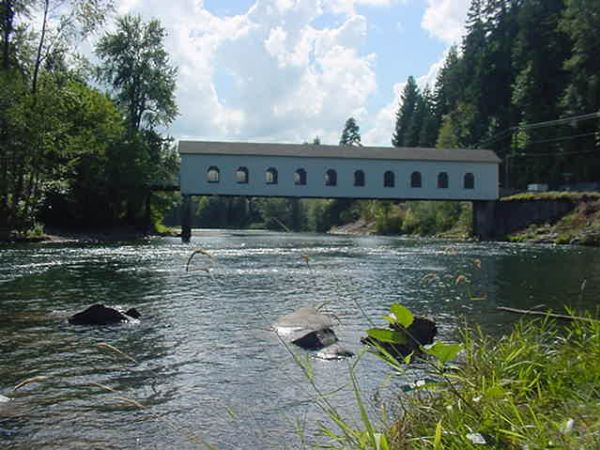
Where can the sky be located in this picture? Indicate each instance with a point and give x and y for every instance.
(290, 70)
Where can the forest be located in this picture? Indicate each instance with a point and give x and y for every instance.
(83, 145)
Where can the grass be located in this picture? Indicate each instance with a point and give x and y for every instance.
(554, 195)
(538, 387)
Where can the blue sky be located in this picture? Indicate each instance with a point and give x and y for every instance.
(289, 70)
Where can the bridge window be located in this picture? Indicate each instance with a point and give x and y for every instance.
(359, 178)
(212, 174)
(331, 178)
(271, 176)
(442, 180)
(242, 175)
(300, 177)
(469, 181)
(388, 179)
(415, 180)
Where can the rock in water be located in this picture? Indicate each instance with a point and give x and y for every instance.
(307, 328)
(316, 340)
(4, 399)
(421, 332)
(102, 315)
(334, 352)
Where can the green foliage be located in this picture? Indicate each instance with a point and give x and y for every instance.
(429, 218)
(136, 66)
(535, 387)
(351, 133)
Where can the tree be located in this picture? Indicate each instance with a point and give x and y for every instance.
(405, 113)
(351, 133)
(137, 68)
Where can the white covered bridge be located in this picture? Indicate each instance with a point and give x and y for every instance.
(327, 171)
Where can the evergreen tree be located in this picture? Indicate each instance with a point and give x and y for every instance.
(405, 122)
(351, 133)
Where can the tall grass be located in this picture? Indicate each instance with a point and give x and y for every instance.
(536, 388)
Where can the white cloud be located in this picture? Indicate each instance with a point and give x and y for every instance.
(286, 79)
(445, 19)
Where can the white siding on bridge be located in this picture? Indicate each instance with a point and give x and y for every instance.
(195, 179)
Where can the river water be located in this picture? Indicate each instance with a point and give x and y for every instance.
(207, 367)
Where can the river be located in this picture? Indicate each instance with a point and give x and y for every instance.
(207, 368)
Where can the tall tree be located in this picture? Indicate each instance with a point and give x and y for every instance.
(351, 133)
(406, 111)
(137, 67)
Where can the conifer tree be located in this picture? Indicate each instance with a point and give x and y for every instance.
(351, 133)
(406, 110)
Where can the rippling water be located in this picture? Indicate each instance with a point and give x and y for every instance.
(207, 367)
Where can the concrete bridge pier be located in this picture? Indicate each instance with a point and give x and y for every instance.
(484, 219)
(186, 219)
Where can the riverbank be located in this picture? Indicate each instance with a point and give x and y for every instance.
(536, 387)
(86, 236)
(581, 226)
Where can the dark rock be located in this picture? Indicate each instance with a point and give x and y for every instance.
(421, 332)
(316, 340)
(102, 315)
(132, 312)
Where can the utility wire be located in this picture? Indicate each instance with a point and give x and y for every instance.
(536, 125)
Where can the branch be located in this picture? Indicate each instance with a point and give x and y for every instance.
(529, 312)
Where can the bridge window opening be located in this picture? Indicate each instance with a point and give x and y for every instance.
(442, 180)
(331, 178)
(388, 179)
(271, 176)
(213, 174)
(359, 178)
(300, 177)
(469, 181)
(415, 180)
(242, 175)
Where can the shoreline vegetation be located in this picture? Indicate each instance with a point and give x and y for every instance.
(535, 387)
(443, 220)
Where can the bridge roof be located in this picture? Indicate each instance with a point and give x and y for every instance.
(336, 151)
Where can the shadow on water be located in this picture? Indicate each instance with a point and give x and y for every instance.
(206, 362)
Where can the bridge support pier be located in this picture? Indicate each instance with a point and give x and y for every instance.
(484, 219)
(186, 219)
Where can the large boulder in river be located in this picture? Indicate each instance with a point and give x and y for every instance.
(99, 314)
(307, 328)
(421, 332)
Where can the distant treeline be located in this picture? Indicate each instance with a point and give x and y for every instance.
(72, 154)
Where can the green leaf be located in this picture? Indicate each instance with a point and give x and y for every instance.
(403, 315)
(443, 352)
(387, 336)
(437, 440)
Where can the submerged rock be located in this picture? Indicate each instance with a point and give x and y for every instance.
(421, 332)
(335, 351)
(307, 328)
(316, 340)
(99, 314)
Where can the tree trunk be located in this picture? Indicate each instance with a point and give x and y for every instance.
(8, 14)
(38, 57)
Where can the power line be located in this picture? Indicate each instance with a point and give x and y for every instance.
(536, 125)
(535, 155)
(564, 138)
